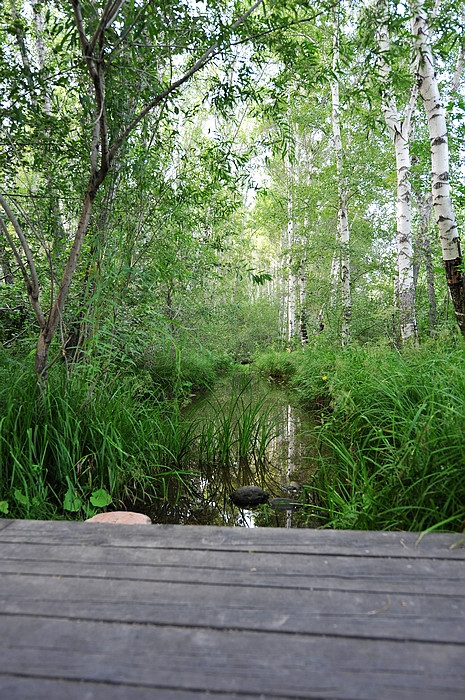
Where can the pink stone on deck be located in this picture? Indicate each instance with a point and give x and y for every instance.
(121, 517)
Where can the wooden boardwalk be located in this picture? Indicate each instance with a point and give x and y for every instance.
(136, 612)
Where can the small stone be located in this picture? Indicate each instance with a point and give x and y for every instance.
(249, 497)
(121, 517)
(281, 504)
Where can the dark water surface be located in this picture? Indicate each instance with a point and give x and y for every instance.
(245, 432)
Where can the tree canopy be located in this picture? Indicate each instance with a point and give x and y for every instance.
(169, 165)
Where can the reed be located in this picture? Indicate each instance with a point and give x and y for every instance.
(392, 452)
(79, 438)
(233, 436)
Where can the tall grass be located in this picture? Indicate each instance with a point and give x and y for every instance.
(392, 447)
(92, 441)
(82, 445)
(234, 434)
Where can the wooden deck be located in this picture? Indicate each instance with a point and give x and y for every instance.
(138, 612)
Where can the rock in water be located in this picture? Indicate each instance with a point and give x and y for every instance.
(249, 497)
(280, 504)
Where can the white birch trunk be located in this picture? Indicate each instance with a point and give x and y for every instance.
(444, 212)
(291, 286)
(292, 278)
(343, 218)
(425, 206)
(283, 285)
(399, 127)
(457, 77)
(41, 51)
(302, 311)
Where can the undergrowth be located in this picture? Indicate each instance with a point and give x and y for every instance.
(104, 439)
(99, 436)
(390, 433)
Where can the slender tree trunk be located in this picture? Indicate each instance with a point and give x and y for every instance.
(291, 289)
(7, 274)
(444, 212)
(424, 206)
(47, 331)
(303, 329)
(41, 50)
(292, 277)
(399, 127)
(343, 217)
(406, 289)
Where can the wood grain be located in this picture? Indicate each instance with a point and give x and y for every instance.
(113, 611)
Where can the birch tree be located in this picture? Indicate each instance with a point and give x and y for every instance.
(289, 244)
(399, 127)
(424, 209)
(435, 114)
(343, 215)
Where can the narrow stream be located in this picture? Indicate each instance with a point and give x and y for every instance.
(246, 432)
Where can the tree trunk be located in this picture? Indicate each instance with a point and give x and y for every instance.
(7, 274)
(47, 332)
(444, 212)
(406, 290)
(399, 127)
(292, 277)
(343, 217)
(291, 292)
(424, 206)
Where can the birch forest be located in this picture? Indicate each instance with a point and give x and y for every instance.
(195, 191)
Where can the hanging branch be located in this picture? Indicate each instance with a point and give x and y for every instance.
(205, 58)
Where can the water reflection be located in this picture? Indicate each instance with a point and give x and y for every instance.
(244, 433)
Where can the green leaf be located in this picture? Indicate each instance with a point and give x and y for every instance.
(100, 498)
(4, 507)
(72, 502)
(20, 497)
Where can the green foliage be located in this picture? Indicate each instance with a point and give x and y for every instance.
(181, 370)
(392, 449)
(91, 442)
(84, 444)
(234, 427)
(277, 364)
(184, 271)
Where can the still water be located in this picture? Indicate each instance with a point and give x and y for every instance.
(245, 432)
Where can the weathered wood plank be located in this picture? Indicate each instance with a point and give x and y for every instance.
(365, 614)
(18, 688)
(97, 611)
(388, 575)
(133, 553)
(230, 661)
(344, 542)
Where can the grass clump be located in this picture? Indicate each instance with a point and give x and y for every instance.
(82, 445)
(278, 365)
(99, 439)
(177, 371)
(392, 451)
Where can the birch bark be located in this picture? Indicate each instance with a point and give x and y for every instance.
(291, 284)
(444, 212)
(424, 207)
(343, 217)
(399, 127)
